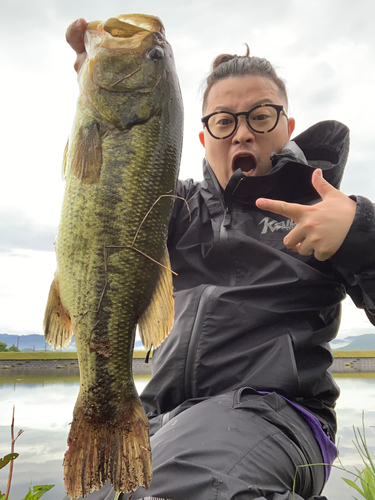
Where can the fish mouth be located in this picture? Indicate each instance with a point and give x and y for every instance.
(127, 25)
(246, 162)
(123, 53)
(126, 30)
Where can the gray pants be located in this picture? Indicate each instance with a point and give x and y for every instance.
(236, 446)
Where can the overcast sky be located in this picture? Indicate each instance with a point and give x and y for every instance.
(324, 50)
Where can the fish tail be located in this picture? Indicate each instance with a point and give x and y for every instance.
(118, 452)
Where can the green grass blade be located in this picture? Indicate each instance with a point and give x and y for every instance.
(352, 485)
(38, 492)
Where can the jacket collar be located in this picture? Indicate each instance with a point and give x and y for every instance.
(324, 145)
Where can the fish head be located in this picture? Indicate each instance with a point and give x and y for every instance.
(129, 69)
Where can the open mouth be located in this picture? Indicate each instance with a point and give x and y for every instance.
(246, 163)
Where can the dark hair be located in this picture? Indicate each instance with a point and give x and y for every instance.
(227, 65)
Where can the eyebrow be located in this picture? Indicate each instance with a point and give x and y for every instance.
(254, 105)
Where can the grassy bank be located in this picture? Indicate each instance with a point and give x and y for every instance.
(14, 356)
(38, 355)
(142, 354)
(354, 354)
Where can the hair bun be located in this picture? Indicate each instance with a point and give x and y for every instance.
(222, 58)
(228, 65)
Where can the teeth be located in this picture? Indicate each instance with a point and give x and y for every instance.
(248, 173)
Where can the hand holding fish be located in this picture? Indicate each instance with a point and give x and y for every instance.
(321, 228)
(74, 36)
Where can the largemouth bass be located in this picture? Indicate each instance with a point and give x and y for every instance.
(121, 165)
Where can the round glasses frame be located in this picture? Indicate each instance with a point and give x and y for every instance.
(278, 107)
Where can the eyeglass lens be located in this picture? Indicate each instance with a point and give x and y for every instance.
(260, 119)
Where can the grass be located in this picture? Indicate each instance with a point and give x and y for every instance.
(140, 354)
(14, 356)
(363, 481)
(34, 493)
(37, 355)
(353, 374)
(354, 354)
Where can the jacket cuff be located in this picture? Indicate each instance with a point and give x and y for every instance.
(357, 250)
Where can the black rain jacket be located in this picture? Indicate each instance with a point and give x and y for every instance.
(249, 312)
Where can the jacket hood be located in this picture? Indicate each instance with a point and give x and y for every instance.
(324, 145)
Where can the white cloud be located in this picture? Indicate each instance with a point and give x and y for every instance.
(26, 279)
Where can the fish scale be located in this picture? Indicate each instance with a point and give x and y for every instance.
(121, 166)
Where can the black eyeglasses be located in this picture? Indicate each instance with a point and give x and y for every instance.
(262, 119)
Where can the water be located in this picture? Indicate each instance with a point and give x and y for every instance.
(44, 409)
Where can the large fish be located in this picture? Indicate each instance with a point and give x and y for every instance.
(121, 166)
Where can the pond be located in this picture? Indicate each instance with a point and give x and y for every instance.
(44, 405)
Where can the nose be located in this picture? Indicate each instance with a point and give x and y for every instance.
(243, 132)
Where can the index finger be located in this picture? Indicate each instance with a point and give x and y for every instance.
(291, 210)
(74, 35)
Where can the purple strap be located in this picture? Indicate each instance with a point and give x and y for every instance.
(327, 447)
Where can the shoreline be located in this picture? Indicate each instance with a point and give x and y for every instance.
(17, 362)
(55, 365)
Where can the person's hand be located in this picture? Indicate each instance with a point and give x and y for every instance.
(321, 228)
(74, 37)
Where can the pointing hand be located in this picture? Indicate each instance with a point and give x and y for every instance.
(321, 228)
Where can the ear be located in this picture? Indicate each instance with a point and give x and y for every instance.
(291, 126)
(201, 138)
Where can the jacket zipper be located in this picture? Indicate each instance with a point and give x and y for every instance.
(226, 222)
(194, 339)
(224, 241)
(201, 311)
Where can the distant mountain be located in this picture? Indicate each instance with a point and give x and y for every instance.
(340, 343)
(36, 342)
(33, 342)
(365, 342)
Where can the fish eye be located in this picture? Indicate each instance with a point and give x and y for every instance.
(156, 53)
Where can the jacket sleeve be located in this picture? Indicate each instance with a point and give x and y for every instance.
(355, 259)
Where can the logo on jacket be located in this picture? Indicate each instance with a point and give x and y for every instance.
(275, 225)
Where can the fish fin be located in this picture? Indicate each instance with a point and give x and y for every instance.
(65, 159)
(117, 450)
(57, 324)
(87, 155)
(157, 320)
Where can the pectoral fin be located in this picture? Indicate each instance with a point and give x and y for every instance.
(87, 154)
(57, 324)
(156, 322)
